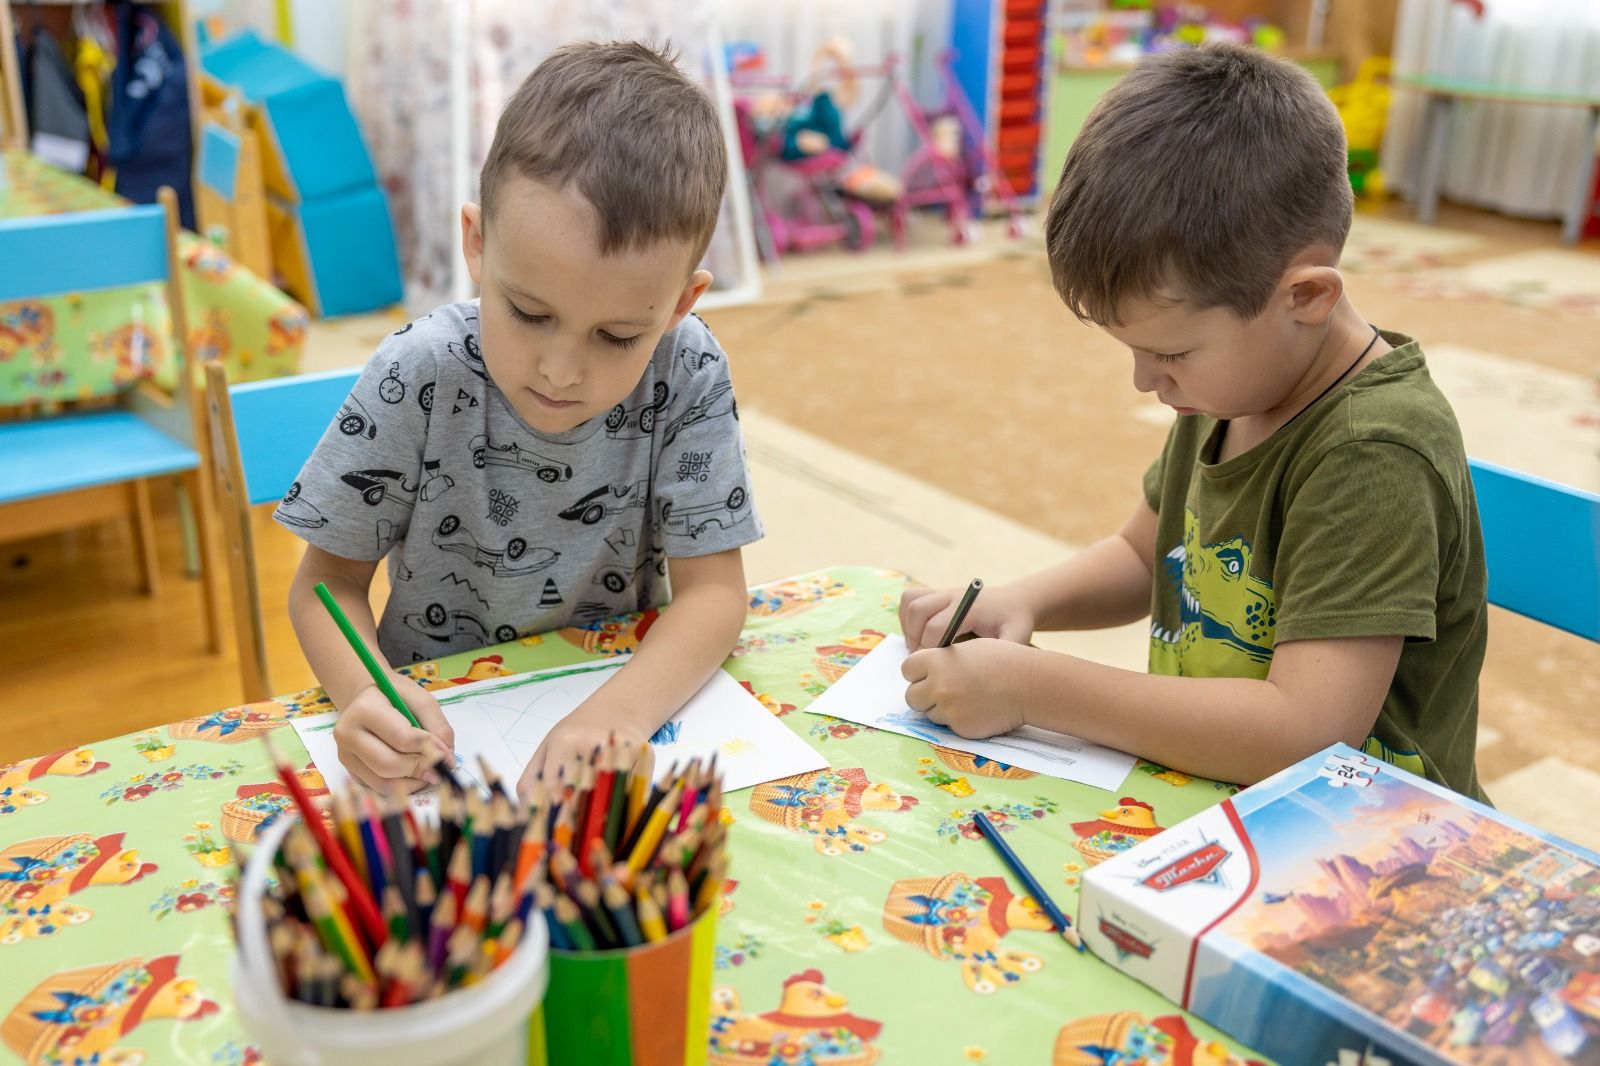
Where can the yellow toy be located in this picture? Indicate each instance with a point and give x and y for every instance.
(1363, 106)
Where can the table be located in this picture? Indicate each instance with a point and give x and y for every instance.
(867, 881)
(1433, 139)
(73, 345)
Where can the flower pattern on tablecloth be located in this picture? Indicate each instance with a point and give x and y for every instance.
(845, 836)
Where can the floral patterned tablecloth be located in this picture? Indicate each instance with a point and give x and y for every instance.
(79, 345)
(866, 920)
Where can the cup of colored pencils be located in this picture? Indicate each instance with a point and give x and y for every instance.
(629, 879)
(366, 928)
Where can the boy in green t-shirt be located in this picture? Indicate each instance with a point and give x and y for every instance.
(1308, 543)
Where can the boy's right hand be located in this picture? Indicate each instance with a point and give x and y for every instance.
(997, 612)
(381, 749)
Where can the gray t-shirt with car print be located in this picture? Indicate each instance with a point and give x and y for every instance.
(493, 529)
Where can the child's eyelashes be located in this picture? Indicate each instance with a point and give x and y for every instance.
(619, 342)
(533, 320)
(1173, 358)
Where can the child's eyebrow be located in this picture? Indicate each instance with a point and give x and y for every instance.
(638, 323)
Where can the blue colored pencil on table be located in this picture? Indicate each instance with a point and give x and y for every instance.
(1031, 883)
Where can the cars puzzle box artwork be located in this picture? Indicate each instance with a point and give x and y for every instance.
(1346, 911)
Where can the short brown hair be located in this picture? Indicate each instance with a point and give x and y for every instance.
(639, 139)
(1203, 172)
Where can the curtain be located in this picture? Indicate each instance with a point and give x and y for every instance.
(399, 84)
(1515, 158)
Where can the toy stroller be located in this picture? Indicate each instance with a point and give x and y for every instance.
(800, 133)
(954, 166)
(815, 214)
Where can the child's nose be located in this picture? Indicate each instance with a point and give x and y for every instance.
(1146, 378)
(560, 368)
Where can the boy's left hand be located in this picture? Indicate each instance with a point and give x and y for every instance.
(572, 742)
(972, 687)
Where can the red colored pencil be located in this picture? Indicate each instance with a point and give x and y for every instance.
(361, 901)
(599, 806)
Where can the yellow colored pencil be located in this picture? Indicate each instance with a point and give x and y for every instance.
(650, 840)
(651, 924)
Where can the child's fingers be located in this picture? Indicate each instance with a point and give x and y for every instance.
(933, 628)
(917, 615)
(917, 665)
(919, 697)
(359, 770)
(908, 602)
(433, 720)
(375, 781)
(390, 746)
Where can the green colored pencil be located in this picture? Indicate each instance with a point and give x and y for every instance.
(380, 676)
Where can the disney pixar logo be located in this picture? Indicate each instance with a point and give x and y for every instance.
(1199, 865)
(1125, 942)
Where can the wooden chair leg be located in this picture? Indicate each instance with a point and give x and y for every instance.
(144, 535)
(186, 520)
(205, 522)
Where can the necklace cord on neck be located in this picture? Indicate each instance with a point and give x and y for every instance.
(1338, 380)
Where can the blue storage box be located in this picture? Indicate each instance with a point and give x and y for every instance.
(354, 264)
(332, 239)
(317, 147)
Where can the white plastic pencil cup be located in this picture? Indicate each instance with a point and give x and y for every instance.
(486, 1024)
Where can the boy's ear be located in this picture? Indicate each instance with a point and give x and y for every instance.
(1312, 292)
(693, 289)
(472, 240)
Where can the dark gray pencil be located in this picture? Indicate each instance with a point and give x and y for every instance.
(961, 612)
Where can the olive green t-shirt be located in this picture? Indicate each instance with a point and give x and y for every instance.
(1356, 519)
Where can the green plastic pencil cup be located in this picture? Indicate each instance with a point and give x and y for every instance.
(380, 676)
(642, 1006)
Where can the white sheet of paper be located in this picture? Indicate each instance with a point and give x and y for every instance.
(475, 735)
(873, 692)
(507, 718)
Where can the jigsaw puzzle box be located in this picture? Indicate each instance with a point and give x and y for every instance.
(1347, 911)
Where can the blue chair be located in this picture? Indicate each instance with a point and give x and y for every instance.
(1542, 544)
(261, 434)
(64, 471)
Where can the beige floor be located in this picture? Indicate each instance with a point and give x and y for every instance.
(939, 414)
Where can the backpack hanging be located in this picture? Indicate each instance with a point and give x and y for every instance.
(150, 137)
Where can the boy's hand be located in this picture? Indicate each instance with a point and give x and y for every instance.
(381, 749)
(997, 612)
(969, 687)
(572, 742)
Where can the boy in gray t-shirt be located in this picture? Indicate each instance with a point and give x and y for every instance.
(552, 452)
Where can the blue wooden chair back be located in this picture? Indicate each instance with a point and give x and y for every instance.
(279, 421)
(82, 251)
(261, 433)
(1542, 544)
(43, 256)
